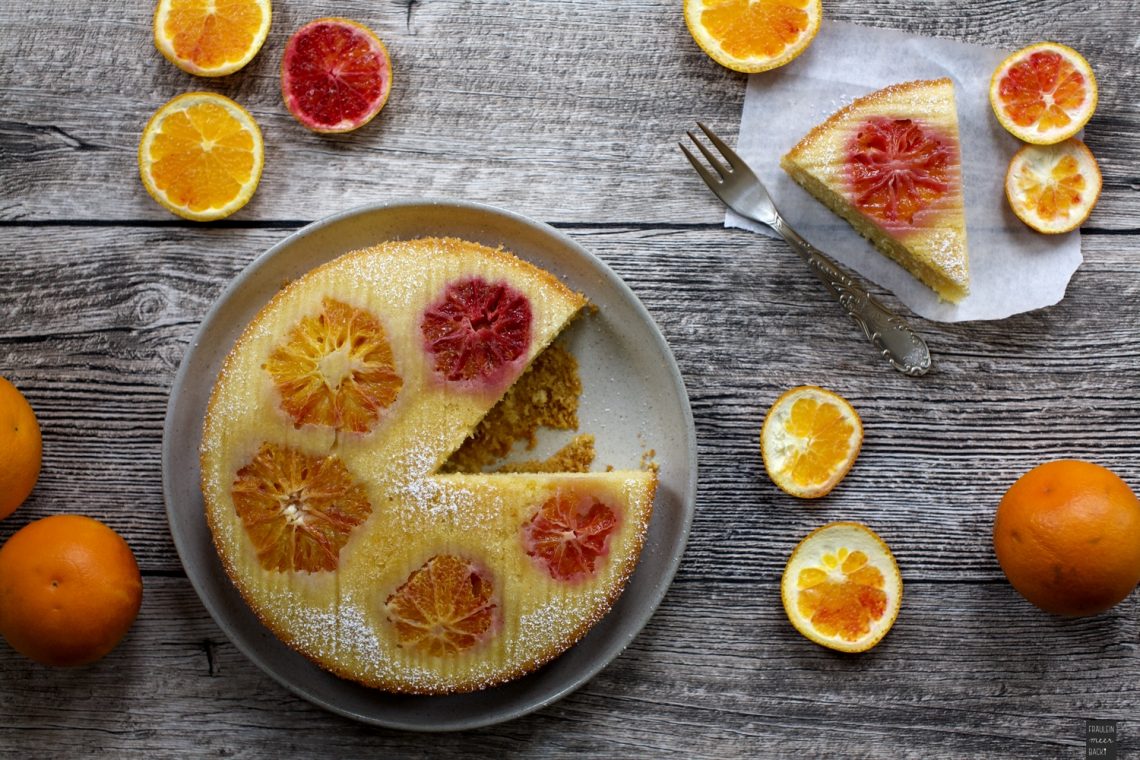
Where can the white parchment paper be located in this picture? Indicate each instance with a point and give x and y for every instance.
(1012, 268)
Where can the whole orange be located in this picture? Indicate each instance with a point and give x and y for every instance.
(69, 590)
(21, 448)
(1067, 535)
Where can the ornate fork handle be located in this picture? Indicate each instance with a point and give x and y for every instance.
(897, 342)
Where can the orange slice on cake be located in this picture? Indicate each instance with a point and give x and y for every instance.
(1043, 93)
(753, 35)
(1053, 188)
(842, 588)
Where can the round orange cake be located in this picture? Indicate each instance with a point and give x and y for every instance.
(320, 455)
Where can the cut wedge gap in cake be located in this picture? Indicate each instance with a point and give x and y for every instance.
(890, 164)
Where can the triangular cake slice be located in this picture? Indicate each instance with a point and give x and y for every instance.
(890, 164)
(328, 424)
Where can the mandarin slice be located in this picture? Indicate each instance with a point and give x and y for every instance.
(753, 35)
(336, 369)
(841, 587)
(1043, 93)
(444, 608)
(809, 441)
(476, 330)
(1053, 188)
(298, 510)
(569, 535)
(899, 167)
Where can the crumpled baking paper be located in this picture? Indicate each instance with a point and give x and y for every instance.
(1012, 268)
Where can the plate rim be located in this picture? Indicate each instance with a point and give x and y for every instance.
(234, 288)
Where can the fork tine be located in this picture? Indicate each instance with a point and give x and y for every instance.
(735, 161)
(713, 160)
(706, 175)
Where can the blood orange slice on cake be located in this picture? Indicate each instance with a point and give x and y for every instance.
(890, 164)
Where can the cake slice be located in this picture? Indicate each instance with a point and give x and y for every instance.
(890, 164)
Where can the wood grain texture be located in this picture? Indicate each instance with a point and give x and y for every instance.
(569, 111)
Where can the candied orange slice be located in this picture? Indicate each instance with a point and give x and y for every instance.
(842, 588)
(444, 608)
(809, 441)
(1043, 93)
(298, 510)
(201, 156)
(336, 369)
(210, 38)
(569, 535)
(1053, 188)
(753, 35)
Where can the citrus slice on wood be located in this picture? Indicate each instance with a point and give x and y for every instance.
(1043, 93)
(335, 76)
(569, 535)
(298, 509)
(753, 35)
(443, 608)
(809, 441)
(842, 588)
(201, 156)
(1053, 188)
(210, 38)
(336, 369)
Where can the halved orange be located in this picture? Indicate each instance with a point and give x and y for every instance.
(210, 38)
(809, 441)
(753, 35)
(1053, 188)
(1043, 93)
(201, 156)
(842, 587)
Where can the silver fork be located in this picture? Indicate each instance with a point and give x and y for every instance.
(741, 191)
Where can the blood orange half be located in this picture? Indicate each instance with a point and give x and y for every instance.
(1043, 93)
(569, 535)
(335, 75)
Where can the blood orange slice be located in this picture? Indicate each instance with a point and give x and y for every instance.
(298, 510)
(842, 588)
(336, 369)
(335, 75)
(444, 608)
(1043, 93)
(1053, 188)
(899, 167)
(569, 535)
(477, 330)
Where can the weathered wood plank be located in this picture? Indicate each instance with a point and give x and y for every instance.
(563, 110)
(718, 673)
(94, 322)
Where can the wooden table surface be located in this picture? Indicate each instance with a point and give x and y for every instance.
(569, 111)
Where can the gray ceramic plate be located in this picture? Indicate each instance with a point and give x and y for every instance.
(633, 400)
